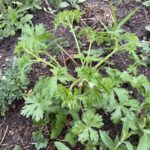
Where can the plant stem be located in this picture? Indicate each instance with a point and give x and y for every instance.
(76, 41)
(106, 58)
(38, 58)
(117, 145)
(74, 83)
(67, 54)
(89, 50)
(109, 55)
(51, 57)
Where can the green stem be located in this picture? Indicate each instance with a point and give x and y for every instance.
(76, 41)
(109, 55)
(38, 58)
(106, 58)
(51, 57)
(74, 83)
(89, 51)
(119, 143)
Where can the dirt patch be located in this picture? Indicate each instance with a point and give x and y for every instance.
(16, 130)
(7, 46)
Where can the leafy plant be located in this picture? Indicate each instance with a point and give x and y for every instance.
(73, 99)
(40, 141)
(71, 3)
(145, 51)
(11, 88)
(67, 3)
(85, 129)
(14, 15)
(119, 142)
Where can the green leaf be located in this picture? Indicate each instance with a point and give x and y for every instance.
(58, 124)
(121, 93)
(12, 14)
(70, 138)
(147, 28)
(107, 140)
(144, 143)
(116, 115)
(123, 21)
(128, 145)
(125, 128)
(85, 128)
(81, 1)
(61, 146)
(26, 18)
(66, 18)
(35, 38)
(40, 141)
(32, 108)
(64, 4)
(38, 101)
(53, 83)
(146, 3)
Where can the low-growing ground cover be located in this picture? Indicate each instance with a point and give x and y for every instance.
(81, 75)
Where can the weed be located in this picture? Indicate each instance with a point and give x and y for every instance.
(73, 102)
(11, 88)
(14, 15)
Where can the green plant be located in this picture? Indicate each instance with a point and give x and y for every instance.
(17, 147)
(146, 3)
(11, 88)
(14, 15)
(40, 141)
(61, 146)
(71, 3)
(73, 101)
(67, 3)
(86, 129)
(145, 51)
(147, 28)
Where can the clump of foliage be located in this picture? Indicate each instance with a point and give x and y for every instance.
(145, 51)
(40, 141)
(73, 101)
(14, 14)
(67, 3)
(11, 88)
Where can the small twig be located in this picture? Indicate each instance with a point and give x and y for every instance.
(4, 135)
(26, 147)
(63, 58)
(3, 122)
